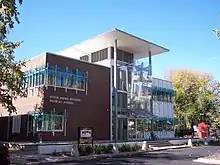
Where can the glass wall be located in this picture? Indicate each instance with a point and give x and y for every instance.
(56, 76)
(163, 94)
(51, 122)
(141, 128)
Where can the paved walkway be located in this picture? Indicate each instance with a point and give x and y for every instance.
(168, 157)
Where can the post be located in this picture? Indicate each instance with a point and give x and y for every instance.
(151, 93)
(86, 81)
(8, 130)
(111, 87)
(53, 118)
(115, 91)
(136, 125)
(46, 75)
(65, 119)
(27, 124)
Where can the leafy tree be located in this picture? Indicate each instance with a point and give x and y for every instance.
(197, 96)
(11, 76)
(217, 32)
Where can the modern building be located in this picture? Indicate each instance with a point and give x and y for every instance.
(97, 83)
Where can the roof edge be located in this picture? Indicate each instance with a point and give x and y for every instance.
(126, 33)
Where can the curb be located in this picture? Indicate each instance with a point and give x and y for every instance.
(170, 148)
(207, 161)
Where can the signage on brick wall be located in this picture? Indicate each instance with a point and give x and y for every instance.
(64, 100)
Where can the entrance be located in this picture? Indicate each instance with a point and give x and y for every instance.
(122, 129)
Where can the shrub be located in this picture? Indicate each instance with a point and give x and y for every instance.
(85, 150)
(102, 149)
(214, 142)
(136, 147)
(125, 148)
(197, 143)
(183, 133)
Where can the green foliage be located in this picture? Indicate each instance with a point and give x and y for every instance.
(198, 143)
(85, 150)
(197, 96)
(217, 32)
(136, 147)
(129, 148)
(103, 149)
(11, 76)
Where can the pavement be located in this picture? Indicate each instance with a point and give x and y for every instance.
(184, 156)
(169, 157)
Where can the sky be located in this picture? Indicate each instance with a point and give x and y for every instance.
(184, 27)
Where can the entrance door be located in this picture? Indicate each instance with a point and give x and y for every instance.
(122, 129)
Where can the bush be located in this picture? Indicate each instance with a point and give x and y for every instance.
(214, 142)
(183, 133)
(85, 150)
(197, 143)
(102, 149)
(136, 147)
(125, 148)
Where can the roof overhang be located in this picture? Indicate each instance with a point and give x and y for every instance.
(125, 41)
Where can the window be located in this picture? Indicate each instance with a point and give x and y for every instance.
(80, 80)
(31, 81)
(51, 77)
(42, 78)
(122, 55)
(100, 55)
(51, 122)
(60, 79)
(34, 79)
(103, 54)
(85, 58)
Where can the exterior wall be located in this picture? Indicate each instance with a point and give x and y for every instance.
(72, 53)
(93, 108)
(85, 108)
(163, 109)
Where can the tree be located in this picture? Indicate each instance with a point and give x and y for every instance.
(11, 76)
(197, 96)
(217, 32)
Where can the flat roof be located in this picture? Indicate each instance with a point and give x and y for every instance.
(126, 42)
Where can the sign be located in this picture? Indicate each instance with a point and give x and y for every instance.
(85, 135)
(64, 100)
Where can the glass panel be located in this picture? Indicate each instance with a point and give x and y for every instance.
(58, 125)
(131, 129)
(51, 77)
(47, 122)
(140, 128)
(37, 79)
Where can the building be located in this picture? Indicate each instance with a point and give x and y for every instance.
(76, 87)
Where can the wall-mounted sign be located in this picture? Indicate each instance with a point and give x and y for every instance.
(85, 135)
(63, 100)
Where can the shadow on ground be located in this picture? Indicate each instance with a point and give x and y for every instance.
(144, 158)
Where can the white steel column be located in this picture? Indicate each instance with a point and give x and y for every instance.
(111, 85)
(115, 91)
(135, 128)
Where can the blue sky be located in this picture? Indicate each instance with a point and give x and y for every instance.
(184, 27)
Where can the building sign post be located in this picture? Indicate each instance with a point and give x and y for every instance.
(85, 135)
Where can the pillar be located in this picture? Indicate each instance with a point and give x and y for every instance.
(151, 93)
(115, 91)
(111, 87)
